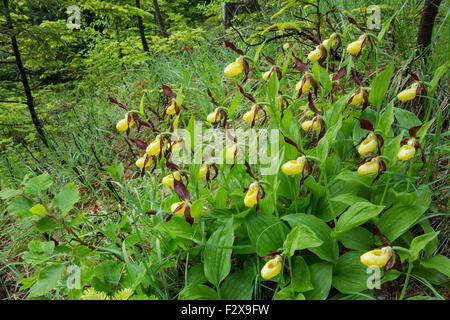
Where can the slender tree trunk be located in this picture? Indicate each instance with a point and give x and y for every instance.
(23, 75)
(159, 18)
(141, 27)
(430, 10)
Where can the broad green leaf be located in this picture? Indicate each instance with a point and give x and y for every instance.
(357, 239)
(437, 262)
(324, 144)
(239, 285)
(349, 274)
(267, 233)
(20, 207)
(46, 224)
(36, 185)
(66, 198)
(380, 86)
(198, 292)
(47, 280)
(419, 243)
(356, 215)
(7, 193)
(321, 278)
(288, 293)
(217, 259)
(398, 219)
(300, 237)
(329, 249)
(38, 210)
(437, 76)
(41, 246)
(386, 119)
(406, 119)
(301, 277)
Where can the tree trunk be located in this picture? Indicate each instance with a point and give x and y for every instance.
(23, 75)
(141, 27)
(430, 10)
(159, 18)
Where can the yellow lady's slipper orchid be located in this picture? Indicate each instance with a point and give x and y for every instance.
(229, 152)
(234, 68)
(267, 74)
(203, 171)
(140, 162)
(369, 168)
(123, 125)
(368, 145)
(332, 38)
(176, 205)
(408, 94)
(294, 166)
(213, 117)
(168, 180)
(406, 152)
(171, 108)
(286, 46)
(315, 54)
(357, 46)
(377, 257)
(175, 146)
(154, 148)
(272, 268)
(306, 86)
(358, 98)
(308, 123)
(250, 115)
(251, 198)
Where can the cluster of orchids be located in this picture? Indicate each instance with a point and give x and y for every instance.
(369, 147)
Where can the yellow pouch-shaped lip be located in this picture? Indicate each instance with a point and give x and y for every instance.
(175, 205)
(234, 68)
(356, 46)
(140, 162)
(153, 148)
(213, 117)
(122, 125)
(308, 123)
(203, 171)
(272, 268)
(251, 198)
(369, 168)
(293, 167)
(368, 145)
(377, 257)
(315, 54)
(408, 94)
(406, 152)
(168, 180)
(250, 115)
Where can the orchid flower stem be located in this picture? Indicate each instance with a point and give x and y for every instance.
(409, 176)
(385, 191)
(328, 196)
(405, 285)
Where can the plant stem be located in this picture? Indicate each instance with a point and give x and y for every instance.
(405, 285)
(385, 191)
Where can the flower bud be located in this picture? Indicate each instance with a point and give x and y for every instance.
(293, 167)
(154, 148)
(408, 94)
(377, 257)
(368, 145)
(175, 205)
(140, 162)
(250, 115)
(369, 168)
(272, 268)
(213, 117)
(251, 198)
(357, 46)
(308, 123)
(406, 152)
(235, 68)
(168, 180)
